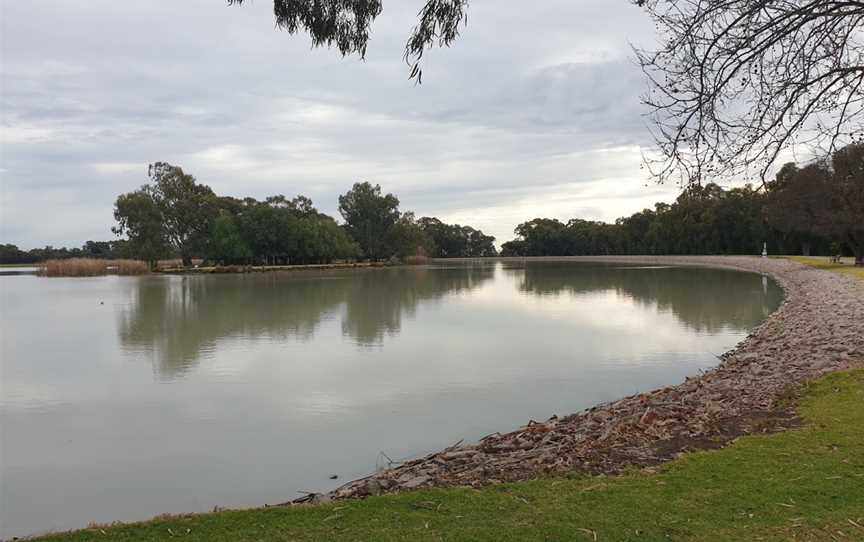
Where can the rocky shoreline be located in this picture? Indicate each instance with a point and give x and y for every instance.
(818, 329)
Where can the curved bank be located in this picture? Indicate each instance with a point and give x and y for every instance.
(818, 329)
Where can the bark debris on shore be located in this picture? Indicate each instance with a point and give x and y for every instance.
(818, 329)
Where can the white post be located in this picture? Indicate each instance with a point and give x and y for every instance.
(764, 250)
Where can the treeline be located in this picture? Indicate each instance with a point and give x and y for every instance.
(817, 209)
(175, 216)
(112, 250)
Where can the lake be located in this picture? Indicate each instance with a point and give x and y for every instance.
(126, 397)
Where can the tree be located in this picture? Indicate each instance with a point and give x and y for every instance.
(702, 220)
(187, 208)
(10, 254)
(270, 232)
(321, 240)
(736, 82)
(796, 202)
(226, 244)
(407, 238)
(369, 216)
(346, 24)
(139, 218)
(846, 199)
(455, 241)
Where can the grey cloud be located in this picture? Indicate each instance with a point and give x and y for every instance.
(523, 105)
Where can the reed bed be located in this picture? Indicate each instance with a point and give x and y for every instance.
(73, 267)
(91, 267)
(129, 267)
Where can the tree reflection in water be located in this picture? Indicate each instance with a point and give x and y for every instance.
(706, 300)
(177, 319)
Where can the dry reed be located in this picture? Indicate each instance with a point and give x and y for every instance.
(73, 267)
(129, 267)
(91, 267)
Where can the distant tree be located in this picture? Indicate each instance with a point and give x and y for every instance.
(704, 219)
(543, 237)
(11, 254)
(322, 240)
(735, 83)
(456, 241)
(369, 216)
(226, 244)
(271, 233)
(514, 248)
(407, 238)
(480, 245)
(97, 249)
(139, 218)
(846, 199)
(797, 202)
(172, 213)
(188, 208)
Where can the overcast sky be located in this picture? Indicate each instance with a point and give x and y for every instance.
(529, 114)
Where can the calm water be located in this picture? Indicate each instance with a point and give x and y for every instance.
(124, 397)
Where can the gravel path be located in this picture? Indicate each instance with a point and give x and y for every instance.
(818, 329)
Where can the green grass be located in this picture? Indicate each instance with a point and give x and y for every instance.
(804, 484)
(847, 268)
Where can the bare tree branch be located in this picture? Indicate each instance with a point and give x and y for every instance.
(735, 83)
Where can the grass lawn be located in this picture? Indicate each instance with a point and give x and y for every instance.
(847, 268)
(804, 484)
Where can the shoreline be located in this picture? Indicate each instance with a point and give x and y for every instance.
(818, 329)
(241, 269)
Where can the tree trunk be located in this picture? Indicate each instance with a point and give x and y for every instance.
(805, 248)
(858, 251)
(187, 261)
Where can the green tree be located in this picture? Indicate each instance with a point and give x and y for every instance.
(369, 216)
(796, 202)
(226, 244)
(407, 238)
(187, 208)
(270, 232)
(139, 218)
(846, 199)
(456, 241)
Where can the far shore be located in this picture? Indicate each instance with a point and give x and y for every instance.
(227, 269)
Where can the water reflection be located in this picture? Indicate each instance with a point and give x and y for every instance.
(178, 319)
(376, 303)
(701, 299)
